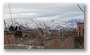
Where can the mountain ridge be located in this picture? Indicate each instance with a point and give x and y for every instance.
(55, 24)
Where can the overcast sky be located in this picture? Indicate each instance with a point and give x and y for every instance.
(44, 11)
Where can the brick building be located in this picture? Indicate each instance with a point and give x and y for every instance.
(80, 27)
(9, 38)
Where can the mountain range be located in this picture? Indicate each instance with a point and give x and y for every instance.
(53, 24)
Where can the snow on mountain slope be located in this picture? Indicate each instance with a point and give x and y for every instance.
(56, 24)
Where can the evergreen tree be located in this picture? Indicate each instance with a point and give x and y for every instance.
(19, 28)
(79, 41)
(18, 34)
(16, 28)
(11, 28)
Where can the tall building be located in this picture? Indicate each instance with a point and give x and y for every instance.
(80, 29)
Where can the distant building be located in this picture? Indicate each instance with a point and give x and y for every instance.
(80, 27)
(9, 38)
(54, 34)
(67, 33)
(74, 32)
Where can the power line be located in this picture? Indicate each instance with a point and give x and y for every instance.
(80, 8)
(10, 14)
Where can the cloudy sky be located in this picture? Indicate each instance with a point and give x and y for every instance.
(45, 11)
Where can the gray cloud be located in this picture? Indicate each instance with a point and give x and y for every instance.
(43, 10)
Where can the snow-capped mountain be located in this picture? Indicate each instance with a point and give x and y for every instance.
(56, 24)
(76, 21)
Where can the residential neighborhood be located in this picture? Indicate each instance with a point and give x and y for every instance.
(41, 39)
(43, 26)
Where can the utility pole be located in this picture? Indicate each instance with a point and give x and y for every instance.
(10, 14)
